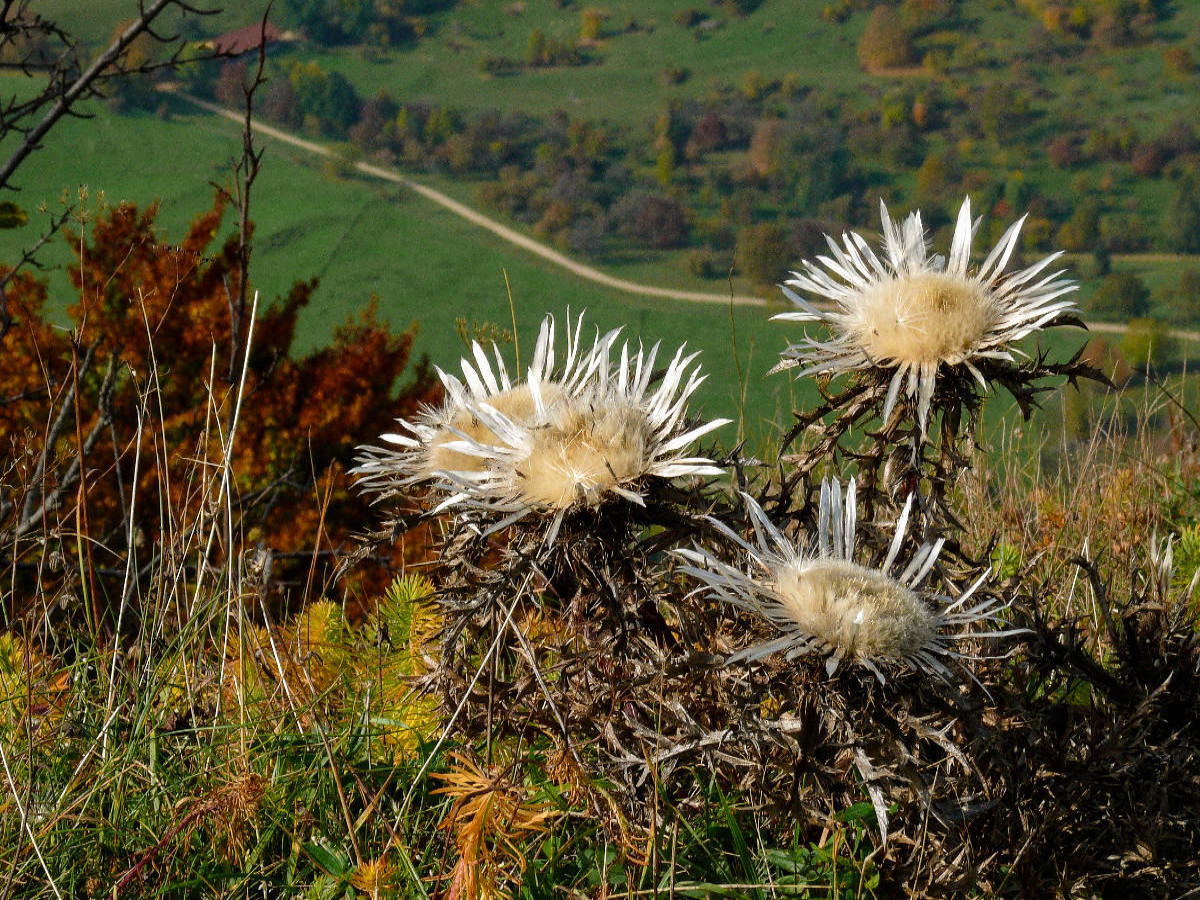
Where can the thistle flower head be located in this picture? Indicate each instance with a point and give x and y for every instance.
(822, 600)
(912, 313)
(563, 438)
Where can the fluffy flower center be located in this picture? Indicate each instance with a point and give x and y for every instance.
(858, 611)
(516, 403)
(931, 317)
(586, 449)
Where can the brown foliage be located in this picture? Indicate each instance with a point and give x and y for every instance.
(661, 222)
(708, 134)
(140, 396)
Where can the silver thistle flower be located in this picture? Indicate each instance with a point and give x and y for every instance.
(561, 439)
(914, 313)
(823, 601)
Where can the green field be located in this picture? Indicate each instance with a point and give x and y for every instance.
(364, 239)
(623, 80)
(424, 264)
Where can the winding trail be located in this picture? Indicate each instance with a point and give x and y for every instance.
(1118, 328)
(535, 247)
(474, 216)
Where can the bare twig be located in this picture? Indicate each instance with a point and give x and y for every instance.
(28, 257)
(33, 513)
(106, 63)
(245, 172)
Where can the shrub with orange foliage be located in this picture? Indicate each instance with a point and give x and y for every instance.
(140, 398)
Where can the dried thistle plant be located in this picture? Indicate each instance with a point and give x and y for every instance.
(806, 686)
(1093, 763)
(923, 338)
(561, 441)
(915, 314)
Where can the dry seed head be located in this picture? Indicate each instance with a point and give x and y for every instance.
(583, 434)
(585, 451)
(928, 318)
(453, 437)
(517, 403)
(860, 613)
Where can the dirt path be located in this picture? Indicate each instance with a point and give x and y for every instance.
(477, 218)
(539, 249)
(1117, 328)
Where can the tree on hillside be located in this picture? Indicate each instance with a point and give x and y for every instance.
(709, 133)
(1002, 108)
(136, 90)
(660, 222)
(740, 7)
(885, 42)
(919, 15)
(1081, 232)
(1183, 299)
(764, 253)
(1150, 344)
(591, 21)
(1182, 224)
(1120, 297)
(327, 99)
(765, 146)
(937, 179)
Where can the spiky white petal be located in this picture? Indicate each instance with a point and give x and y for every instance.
(561, 438)
(915, 313)
(823, 601)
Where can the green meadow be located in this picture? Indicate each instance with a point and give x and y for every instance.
(363, 239)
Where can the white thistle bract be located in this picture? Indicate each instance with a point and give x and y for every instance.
(913, 312)
(562, 438)
(824, 601)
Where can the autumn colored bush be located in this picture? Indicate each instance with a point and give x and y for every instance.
(141, 397)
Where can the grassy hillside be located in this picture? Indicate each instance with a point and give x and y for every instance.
(363, 239)
(1085, 124)
(424, 264)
